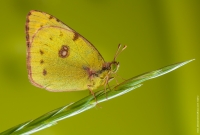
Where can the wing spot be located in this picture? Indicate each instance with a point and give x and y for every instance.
(57, 20)
(64, 51)
(41, 61)
(41, 52)
(44, 72)
(50, 17)
(51, 38)
(76, 35)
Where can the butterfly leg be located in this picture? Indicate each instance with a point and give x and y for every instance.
(92, 92)
(106, 85)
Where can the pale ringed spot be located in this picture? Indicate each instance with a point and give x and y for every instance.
(64, 51)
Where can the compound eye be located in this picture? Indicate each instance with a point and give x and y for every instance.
(103, 68)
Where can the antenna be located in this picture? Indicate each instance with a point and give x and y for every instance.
(118, 51)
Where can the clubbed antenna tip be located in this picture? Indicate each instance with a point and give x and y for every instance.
(119, 51)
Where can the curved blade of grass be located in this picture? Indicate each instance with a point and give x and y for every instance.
(51, 118)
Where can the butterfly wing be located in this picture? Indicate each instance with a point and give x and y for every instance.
(57, 56)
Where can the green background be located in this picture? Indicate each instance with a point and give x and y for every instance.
(157, 33)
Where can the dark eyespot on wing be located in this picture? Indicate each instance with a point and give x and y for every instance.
(64, 51)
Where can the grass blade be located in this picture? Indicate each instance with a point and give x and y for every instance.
(51, 118)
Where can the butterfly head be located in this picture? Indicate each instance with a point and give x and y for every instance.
(114, 65)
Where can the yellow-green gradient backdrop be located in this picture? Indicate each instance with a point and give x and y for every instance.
(157, 33)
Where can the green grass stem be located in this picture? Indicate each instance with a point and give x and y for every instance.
(51, 118)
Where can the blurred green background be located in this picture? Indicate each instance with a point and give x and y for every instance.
(157, 33)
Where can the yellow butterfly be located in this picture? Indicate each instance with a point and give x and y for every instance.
(60, 59)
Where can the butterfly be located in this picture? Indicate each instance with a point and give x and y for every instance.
(60, 59)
